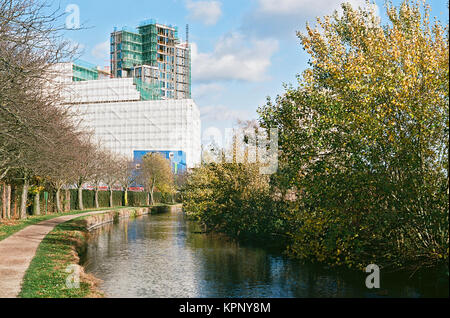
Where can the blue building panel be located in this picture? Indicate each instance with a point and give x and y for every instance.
(177, 158)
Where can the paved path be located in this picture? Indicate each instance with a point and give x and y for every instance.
(17, 251)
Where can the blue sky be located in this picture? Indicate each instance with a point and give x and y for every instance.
(243, 50)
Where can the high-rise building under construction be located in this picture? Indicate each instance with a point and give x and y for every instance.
(142, 103)
(153, 55)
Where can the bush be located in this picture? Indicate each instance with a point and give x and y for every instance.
(118, 198)
(233, 199)
(136, 198)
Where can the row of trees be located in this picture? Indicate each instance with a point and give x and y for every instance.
(36, 137)
(41, 145)
(363, 148)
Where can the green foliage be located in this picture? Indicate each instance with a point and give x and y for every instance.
(51, 206)
(89, 198)
(73, 199)
(363, 149)
(136, 198)
(232, 198)
(139, 198)
(103, 198)
(364, 141)
(118, 198)
(157, 173)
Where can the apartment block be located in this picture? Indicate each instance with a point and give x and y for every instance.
(154, 57)
(125, 122)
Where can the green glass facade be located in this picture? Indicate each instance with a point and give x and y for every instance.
(156, 46)
(84, 71)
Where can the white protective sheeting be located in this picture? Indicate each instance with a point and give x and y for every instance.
(146, 125)
(101, 91)
(112, 109)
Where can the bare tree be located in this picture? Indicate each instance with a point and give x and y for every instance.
(85, 167)
(59, 170)
(30, 43)
(112, 167)
(99, 171)
(127, 175)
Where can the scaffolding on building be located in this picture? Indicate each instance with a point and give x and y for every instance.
(157, 46)
(149, 43)
(84, 71)
(148, 91)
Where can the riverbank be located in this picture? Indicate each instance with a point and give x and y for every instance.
(18, 250)
(9, 227)
(59, 253)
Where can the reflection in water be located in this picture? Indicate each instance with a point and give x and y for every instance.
(160, 256)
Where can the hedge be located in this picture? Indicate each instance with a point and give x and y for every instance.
(134, 199)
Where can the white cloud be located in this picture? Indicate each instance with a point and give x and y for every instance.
(208, 12)
(74, 45)
(285, 17)
(101, 50)
(290, 7)
(235, 57)
(222, 113)
(305, 7)
(203, 90)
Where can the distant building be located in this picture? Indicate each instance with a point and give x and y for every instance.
(142, 102)
(124, 123)
(153, 55)
(84, 71)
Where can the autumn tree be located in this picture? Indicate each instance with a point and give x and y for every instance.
(156, 172)
(364, 139)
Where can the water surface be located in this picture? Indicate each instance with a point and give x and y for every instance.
(163, 256)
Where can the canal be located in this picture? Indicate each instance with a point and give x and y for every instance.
(164, 255)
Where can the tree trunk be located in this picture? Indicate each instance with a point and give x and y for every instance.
(80, 198)
(152, 201)
(147, 199)
(125, 197)
(36, 204)
(24, 197)
(58, 200)
(3, 214)
(8, 201)
(96, 198)
(67, 200)
(14, 202)
(111, 203)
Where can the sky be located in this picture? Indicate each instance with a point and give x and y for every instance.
(242, 50)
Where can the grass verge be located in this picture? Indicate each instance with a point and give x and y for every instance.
(46, 276)
(9, 227)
